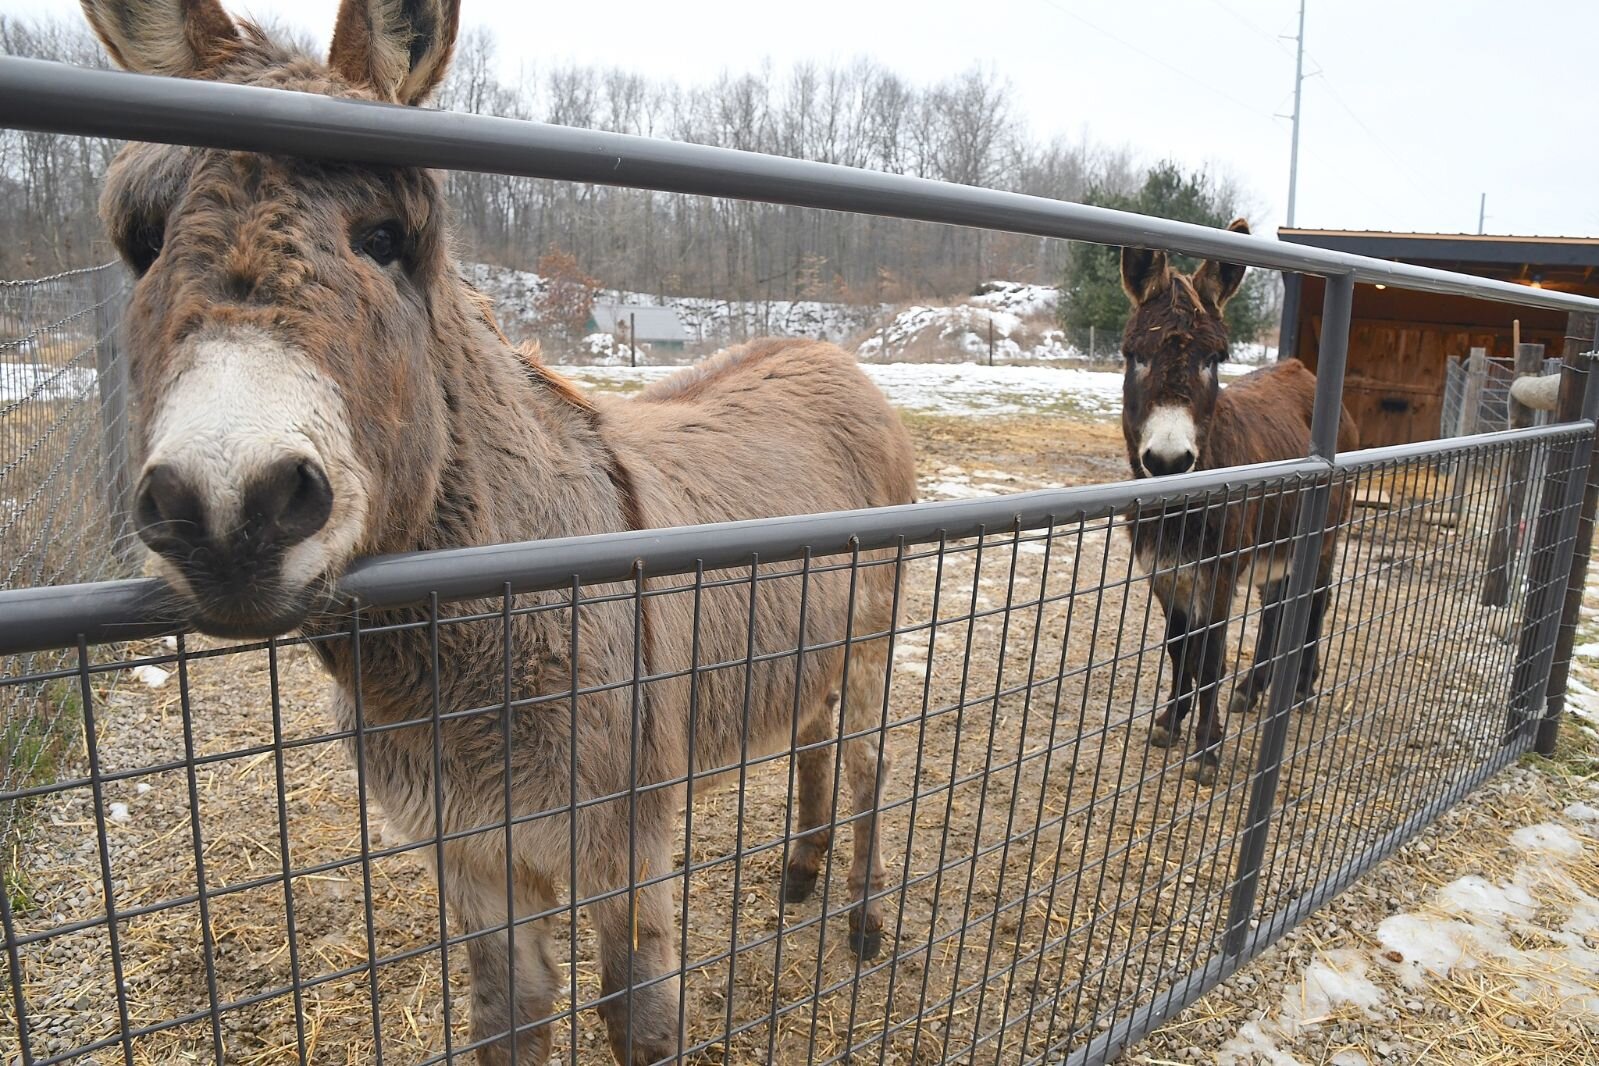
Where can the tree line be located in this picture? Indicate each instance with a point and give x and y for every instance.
(967, 129)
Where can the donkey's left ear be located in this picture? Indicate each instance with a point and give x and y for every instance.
(1216, 282)
(399, 49)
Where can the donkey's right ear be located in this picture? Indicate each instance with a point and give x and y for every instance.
(1144, 273)
(399, 49)
(179, 38)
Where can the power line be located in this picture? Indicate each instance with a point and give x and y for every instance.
(1275, 40)
(1354, 182)
(1371, 134)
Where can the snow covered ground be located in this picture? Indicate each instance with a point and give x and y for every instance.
(1020, 316)
(1469, 923)
(937, 388)
(706, 320)
(40, 381)
(964, 389)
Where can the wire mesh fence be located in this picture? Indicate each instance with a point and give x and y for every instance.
(435, 866)
(1490, 392)
(63, 475)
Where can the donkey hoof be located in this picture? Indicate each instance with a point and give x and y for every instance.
(1240, 704)
(798, 884)
(865, 939)
(1205, 772)
(1161, 737)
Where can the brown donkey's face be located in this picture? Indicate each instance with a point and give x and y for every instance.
(1174, 343)
(279, 333)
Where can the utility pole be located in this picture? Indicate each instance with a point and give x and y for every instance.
(1482, 212)
(1299, 84)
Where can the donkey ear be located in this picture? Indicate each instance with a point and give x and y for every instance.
(1216, 282)
(1144, 273)
(400, 49)
(179, 38)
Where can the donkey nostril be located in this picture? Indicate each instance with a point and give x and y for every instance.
(1163, 465)
(168, 511)
(293, 499)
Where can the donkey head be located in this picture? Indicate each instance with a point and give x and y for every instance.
(281, 328)
(1174, 342)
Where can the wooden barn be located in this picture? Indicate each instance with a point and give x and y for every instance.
(1400, 342)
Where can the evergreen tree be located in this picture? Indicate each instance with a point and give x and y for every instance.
(1091, 292)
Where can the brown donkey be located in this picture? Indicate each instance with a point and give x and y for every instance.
(314, 382)
(1175, 418)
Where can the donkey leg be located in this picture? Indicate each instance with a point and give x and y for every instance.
(1167, 729)
(866, 764)
(501, 956)
(814, 783)
(638, 954)
(1208, 731)
(1309, 664)
(1258, 679)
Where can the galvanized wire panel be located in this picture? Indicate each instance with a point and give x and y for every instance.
(63, 431)
(235, 870)
(1493, 406)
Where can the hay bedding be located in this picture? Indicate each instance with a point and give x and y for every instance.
(1122, 889)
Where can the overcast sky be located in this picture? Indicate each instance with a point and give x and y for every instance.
(1412, 108)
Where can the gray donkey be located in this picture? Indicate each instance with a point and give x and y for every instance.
(314, 382)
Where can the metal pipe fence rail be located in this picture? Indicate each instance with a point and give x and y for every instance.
(228, 871)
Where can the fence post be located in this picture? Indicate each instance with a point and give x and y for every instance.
(632, 338)
(113, 384)
(1476, 378)
(1502, 548)
(1471, 404)
(1580, 327)
(1556, 555)
(1333, 354)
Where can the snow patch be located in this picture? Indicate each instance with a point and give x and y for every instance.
(705, 320)
(953, 490)
(602, 349)
(973, 331)
(119, 812)
(1480, 920)
(43, 382)
(1582, 701)
(969, 389)
(1017, 298)
(151, 676)
(1548, 839)
(1425, 944)
(1473, 895)
(1333, 982)
(1251, 1044)
(1582, 812)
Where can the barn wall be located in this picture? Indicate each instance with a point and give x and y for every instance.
(1399, 346)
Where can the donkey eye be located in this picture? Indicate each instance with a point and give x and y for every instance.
(145, 247)
(382, 244)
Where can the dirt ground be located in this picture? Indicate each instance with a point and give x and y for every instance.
(1057, 871)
